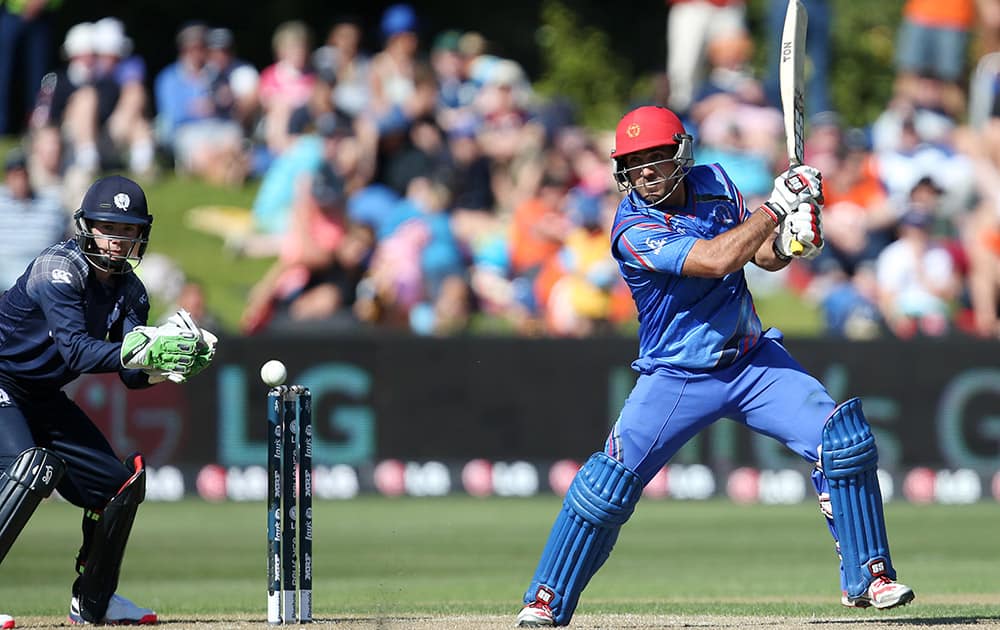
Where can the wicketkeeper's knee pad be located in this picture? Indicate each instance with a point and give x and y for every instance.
(101, 560)
(599, 501)
(30, 478)
(850, 463)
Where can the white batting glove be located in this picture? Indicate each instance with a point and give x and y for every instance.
(798, 185)
(804, 225)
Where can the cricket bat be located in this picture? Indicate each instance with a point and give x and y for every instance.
(792, 79)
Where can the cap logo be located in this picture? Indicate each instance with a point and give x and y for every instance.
(633, 130)
(122, 201)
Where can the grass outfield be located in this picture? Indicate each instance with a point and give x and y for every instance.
(463, 562)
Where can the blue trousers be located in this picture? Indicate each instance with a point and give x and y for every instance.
(93, 472)
(768, 391)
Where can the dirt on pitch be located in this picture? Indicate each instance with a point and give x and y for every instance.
(589, 622)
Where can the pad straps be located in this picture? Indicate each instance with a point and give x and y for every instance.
(850, 463)
(599, 501)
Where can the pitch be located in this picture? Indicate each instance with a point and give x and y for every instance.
(462, 562)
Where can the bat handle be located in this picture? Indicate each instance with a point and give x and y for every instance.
(796, 247)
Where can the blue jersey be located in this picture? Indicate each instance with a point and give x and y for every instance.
(58, 321)
(686, 322)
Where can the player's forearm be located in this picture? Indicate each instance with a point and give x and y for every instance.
(731, 250)
(767, 258)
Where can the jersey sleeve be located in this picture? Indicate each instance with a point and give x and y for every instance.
(653, 247)
(57, 286)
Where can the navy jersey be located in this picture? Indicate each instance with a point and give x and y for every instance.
(58, 321)
(686, 322)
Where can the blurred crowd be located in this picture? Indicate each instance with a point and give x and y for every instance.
(419, 183)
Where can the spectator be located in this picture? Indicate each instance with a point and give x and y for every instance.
(932, 41)
(416, 280)
(30, 221)
(473, 215)
(455, 91)
(343, 56)
(285, 84)
(575, 287)
(45, 153)
(392, 77)
(917, 282)
(321, 102)
(691, 24)
(204, 140)
(77, 99)
(289, 175)
(395, 131)
(538, 230)
(850, 306)
(911, 144)
(234, 81)
(858, 219)
(127, 126)
(424, 154)
(321, 261)
(25, 40)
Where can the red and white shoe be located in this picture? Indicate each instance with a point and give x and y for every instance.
(535, 615)
(883, 593)
(6, 622)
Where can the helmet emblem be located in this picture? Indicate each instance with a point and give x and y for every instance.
(633, 130)
(122, 201)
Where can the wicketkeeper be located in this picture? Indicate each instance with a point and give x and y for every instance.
(79, 308)
(682, 236)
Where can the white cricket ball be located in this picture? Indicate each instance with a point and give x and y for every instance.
(273, 373)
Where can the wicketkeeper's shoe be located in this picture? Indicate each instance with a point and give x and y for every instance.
(535, 615)
(882, 593)
(120, 612)
(6, 621)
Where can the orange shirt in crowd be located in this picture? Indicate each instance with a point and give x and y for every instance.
(530, 245)
(957, 14)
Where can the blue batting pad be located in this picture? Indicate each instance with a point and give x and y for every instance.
(850, 462)
(599, 501)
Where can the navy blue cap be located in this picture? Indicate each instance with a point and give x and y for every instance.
(117, 199)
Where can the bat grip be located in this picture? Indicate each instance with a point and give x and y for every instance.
(796, 247)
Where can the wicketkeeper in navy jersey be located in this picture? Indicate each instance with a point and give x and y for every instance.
(682, 236)
(79, 308)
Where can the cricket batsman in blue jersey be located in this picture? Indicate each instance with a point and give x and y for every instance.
(79, 308)
(682, 236)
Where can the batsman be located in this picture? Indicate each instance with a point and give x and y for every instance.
(682, 235)
(79, 308)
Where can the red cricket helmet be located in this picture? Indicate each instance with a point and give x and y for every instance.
(647, 127)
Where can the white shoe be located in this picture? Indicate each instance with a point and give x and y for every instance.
(6, 621)
(120, 612)
(882, 593)
(535, 615)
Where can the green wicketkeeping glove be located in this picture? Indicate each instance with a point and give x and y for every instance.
(164, 349)
(202, 359)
